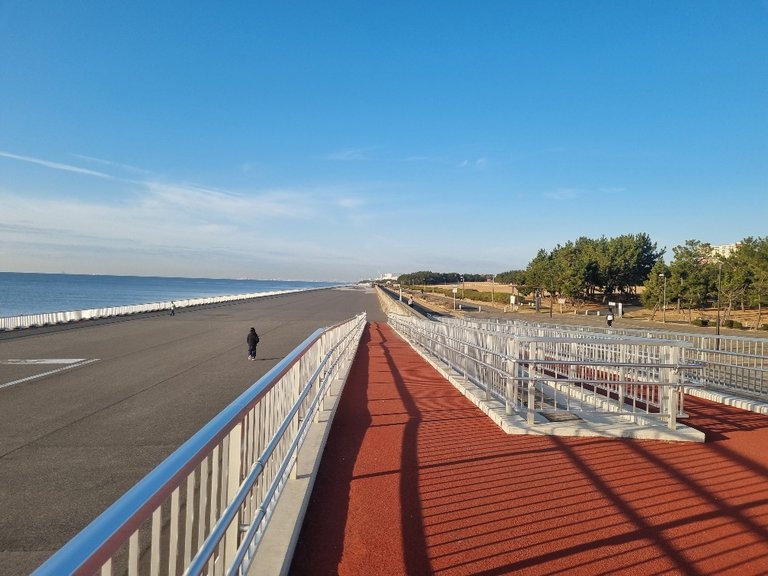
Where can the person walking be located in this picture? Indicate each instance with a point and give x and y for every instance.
(252, 339)
(609, 318)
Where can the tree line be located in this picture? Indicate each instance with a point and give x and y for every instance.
(614, 268)
(697, 277)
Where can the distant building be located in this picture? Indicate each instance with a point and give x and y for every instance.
(725, 250)
(387, 277)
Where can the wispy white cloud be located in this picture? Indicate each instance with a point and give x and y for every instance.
(564, 194)
(119, 165)
(144, 224)
(214, 203)
(350, 202)
(427, 159)
(184, 225)
(612, 190)
(574, 193)
(56, 165)
(347, 154)
(478, 163)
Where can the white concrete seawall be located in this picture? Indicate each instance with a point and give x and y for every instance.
(51, 318)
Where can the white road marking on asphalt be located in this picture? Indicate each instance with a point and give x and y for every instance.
(75, 364)
(18, 361)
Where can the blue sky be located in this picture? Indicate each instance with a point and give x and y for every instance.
(343, 140)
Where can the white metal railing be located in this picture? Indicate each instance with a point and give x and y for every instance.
(391, 304)
(738, 364)
(545, 371)
(205, 508)
(50, 318)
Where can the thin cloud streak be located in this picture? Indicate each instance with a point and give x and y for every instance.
(564, 194)
(237, 206)
(347, 154)
(56, 165)
(111, 163)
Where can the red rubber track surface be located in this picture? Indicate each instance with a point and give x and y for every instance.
(416, 480)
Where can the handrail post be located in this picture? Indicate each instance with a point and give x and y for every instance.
(675, 378)
(531, 401)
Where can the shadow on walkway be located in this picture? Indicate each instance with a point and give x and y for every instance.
(416, 480)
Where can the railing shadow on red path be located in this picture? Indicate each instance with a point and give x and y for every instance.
(419, 481)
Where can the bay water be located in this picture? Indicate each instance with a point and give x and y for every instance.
(32, 293)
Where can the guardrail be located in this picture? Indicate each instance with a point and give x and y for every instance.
(391, 304)
(536, 370)
(205, 508)
(736, 364)
(51, 318)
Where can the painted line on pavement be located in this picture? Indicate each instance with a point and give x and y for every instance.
(70, 363)
(24, 361)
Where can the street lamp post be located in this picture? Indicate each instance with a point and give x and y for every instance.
(664, 300)
(719, 280)
(462, 287)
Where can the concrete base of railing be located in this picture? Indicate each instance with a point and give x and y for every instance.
(727, 398)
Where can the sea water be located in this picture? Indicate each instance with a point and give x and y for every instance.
(28, 293)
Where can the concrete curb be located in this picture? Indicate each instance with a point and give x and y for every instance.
(729, 399)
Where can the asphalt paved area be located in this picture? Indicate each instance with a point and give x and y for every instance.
(87, 409)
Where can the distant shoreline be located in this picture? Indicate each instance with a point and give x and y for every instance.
(25, 293)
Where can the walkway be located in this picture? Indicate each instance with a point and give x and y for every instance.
(87, 409)
(416, 480)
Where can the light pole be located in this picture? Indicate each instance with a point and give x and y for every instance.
(664, 309)
(719, 280)
(493, 288)
(462, 286)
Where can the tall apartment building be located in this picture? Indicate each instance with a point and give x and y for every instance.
(725, 250)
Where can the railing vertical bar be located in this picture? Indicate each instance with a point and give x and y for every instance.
(173, 542)
(133, 554)
(203, 502)
(189, 518)
(154, 557)
(234, 475)
(214, 499)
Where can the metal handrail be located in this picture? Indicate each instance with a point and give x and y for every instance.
(504, 365)
(737, 364)
(225, 443)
